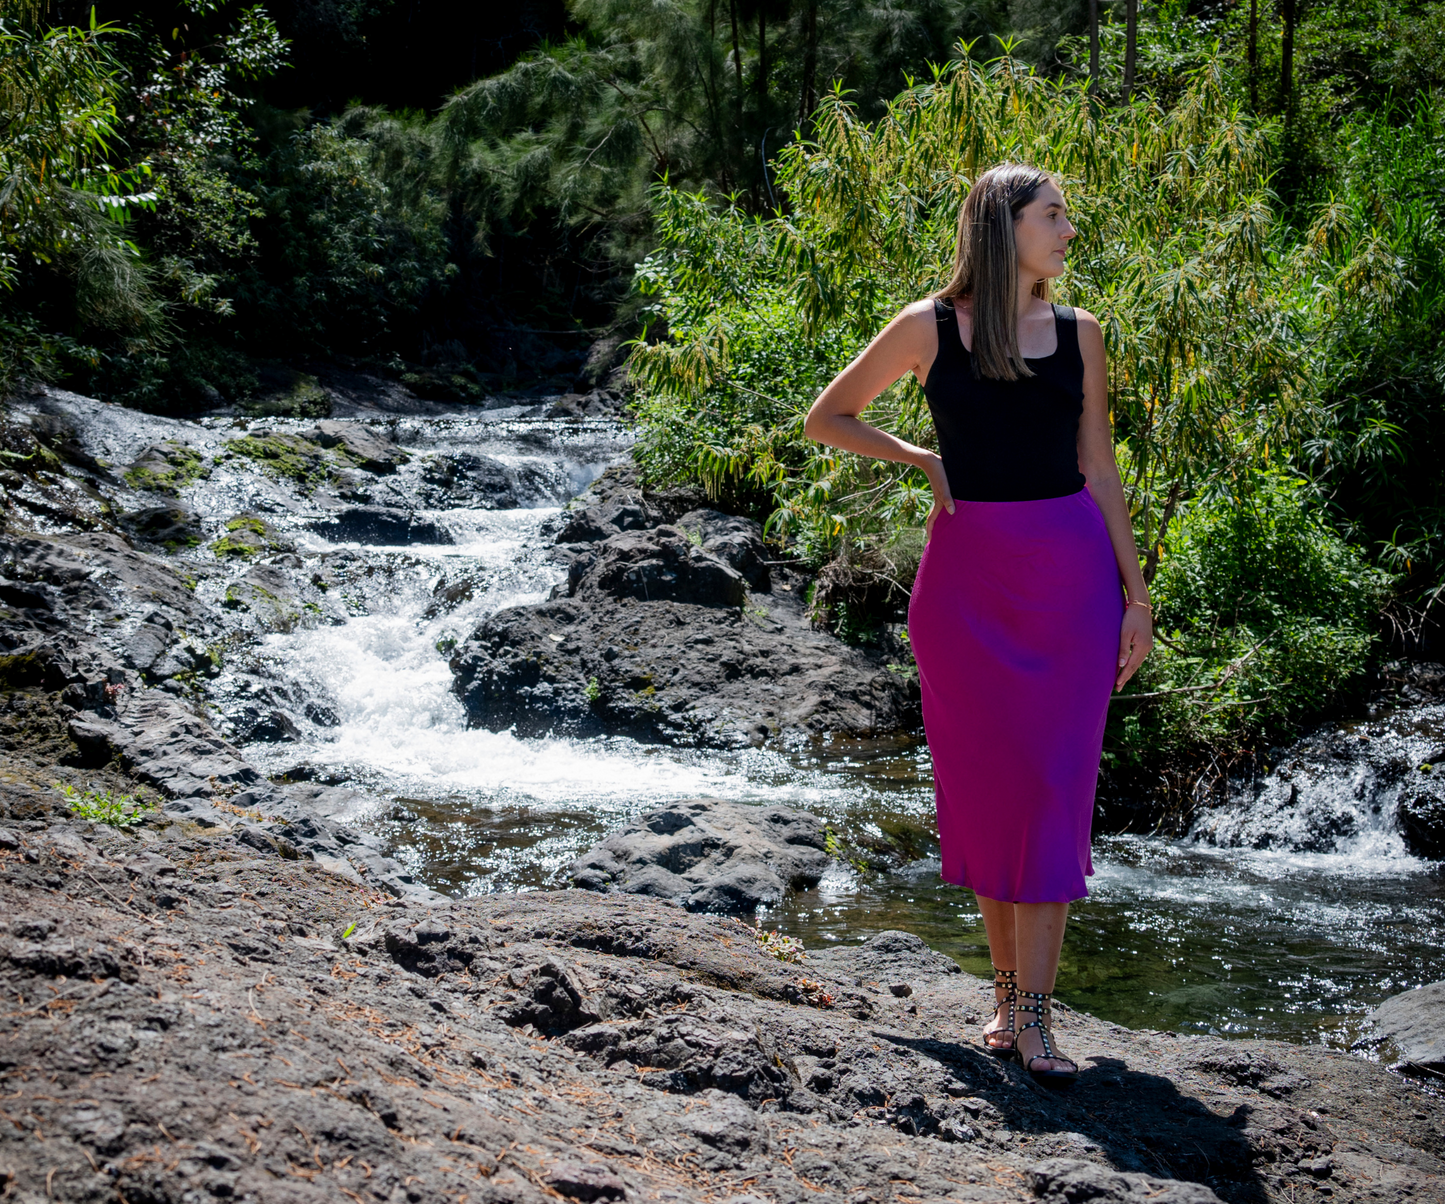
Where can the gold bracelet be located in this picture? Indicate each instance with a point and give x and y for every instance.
(1128, 602)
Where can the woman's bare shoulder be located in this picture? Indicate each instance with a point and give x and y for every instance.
(1085, 318)
(916, 313)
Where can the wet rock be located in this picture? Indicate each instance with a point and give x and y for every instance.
(148, 643)
(285, 392)
(1421, 817)
(598, 403)
(465, 479)
(710, 855)
(380, 525)
(683, 673)
(660, 565)
(247, 536)
(1415, 1022)
(587, 526)
(267, 594)
(363, 445)
(166, 467)
(1074, 1181)
(173, 527)
(1343, 783)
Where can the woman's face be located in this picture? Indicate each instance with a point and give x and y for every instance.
(1042, 232)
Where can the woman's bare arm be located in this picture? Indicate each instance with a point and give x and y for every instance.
(1101, 471)
(908, 343)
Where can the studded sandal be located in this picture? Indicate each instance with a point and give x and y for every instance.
(1043, 1021)
(1006, 981)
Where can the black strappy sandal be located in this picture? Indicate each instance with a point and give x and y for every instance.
(1008, 980)
(1056, 1080)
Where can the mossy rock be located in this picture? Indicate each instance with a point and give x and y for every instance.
(284, 455)
(443, 386)
(167, 468)
(247, 536)
(286, 393)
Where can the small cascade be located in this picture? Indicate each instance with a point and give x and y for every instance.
(1338, 794)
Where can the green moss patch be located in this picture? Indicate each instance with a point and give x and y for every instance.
(247, 536)
(287, 456)
(167, 468)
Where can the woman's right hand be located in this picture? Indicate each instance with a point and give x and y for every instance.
(942, 498)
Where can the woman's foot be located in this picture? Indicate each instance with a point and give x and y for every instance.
(1034, 1042)
(998, 1033)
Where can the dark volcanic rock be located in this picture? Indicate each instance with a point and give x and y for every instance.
(664, 633)
(1415, 1022)
(254, 1016)
(687, 1054)
(367, 448)
(676, 672)
(1074, 1181)
(710, 855)
(1422, 823)
(171, 526)
(735, 541)
(465, 479)
(661, 565)
(380, 525)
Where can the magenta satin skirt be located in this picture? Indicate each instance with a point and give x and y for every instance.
(1014, 623)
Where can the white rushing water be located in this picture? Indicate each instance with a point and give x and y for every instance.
(401, 731)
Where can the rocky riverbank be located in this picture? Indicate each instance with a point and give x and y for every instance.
(236, 994)
(191, 1013)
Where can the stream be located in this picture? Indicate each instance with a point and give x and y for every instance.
(1287, 916)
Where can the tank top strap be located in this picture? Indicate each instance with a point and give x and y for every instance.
(950, 344)
(1067, 324)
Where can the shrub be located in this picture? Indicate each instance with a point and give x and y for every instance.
(1266, 620)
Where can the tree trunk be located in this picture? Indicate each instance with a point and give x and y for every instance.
(737, 57)
(1093, 47)
(810, 62)
(1254, 54)
(762, 59)
(1131, 38)
(1286, 59)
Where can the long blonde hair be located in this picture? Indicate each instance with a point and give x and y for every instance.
(986, 266)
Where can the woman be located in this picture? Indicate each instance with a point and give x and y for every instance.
(1029, 604)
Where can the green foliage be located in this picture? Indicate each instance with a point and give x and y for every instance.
(574, 133)
(1383, 368)
(62, 205)
(1266, 619)
(1204, 300)
(346, 251)
(106, 807)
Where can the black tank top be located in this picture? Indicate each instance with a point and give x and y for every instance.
(1008, 440)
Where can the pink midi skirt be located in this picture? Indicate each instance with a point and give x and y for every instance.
(1014, 623)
